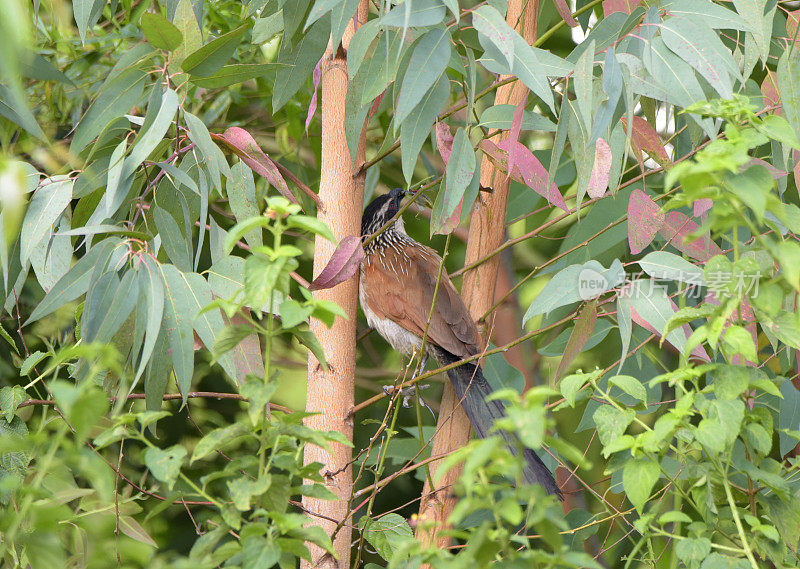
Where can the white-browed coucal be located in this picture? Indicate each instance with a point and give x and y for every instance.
(397, 286)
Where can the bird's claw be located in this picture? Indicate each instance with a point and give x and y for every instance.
(408, 393)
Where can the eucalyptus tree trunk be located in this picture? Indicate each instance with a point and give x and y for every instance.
(486, 233)
(330, 392)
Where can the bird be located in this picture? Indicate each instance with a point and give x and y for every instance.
(397, 282)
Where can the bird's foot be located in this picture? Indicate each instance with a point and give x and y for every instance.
(408, 393)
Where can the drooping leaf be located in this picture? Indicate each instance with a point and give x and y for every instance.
(598, 181)
(492, 29)
(246, 148)
(300, 60)
(664, 265)
(46, 206)
(165, 464)
(416, 13)
(417, 126)
(645, 219)
(428, 61)
(342, 265)
(152, 287)
(459, 173)
(584, 326)
(242, 199)
(178, 324)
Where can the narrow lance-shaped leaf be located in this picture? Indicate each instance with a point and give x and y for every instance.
(342, 265)
(584, 326)
(492, 28)
(152, 285)
(178, 324)
(459, 173)
(46, 206)
(428, 61)
(598, 180)
(246, 148)
(160, 32)
(516, 126)
(645, 219)
(678, 227)
(216, 53)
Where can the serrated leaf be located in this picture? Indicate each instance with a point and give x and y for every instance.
(218, 438)
(387, 534)
(165, 464)
(639, 476)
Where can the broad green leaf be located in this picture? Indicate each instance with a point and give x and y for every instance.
(662, 265)
(789, 87)
(731, 381)
(583, 79)
(311, 224)
(387, 533)
(713, 15)
(699, 46)
(694, 550)
(300, 60)
(175, 244)
(76, 281)
(116, 98)
(459, 173)
(341, 15)
(160, 32)
(233, 74)
(360, 45)
(218, 438)
(428, 61)
(46, 206)
(178, 324)
(638, 479)
(259, 551)
(51, 257)
(500, 117)
(108, 305)
(494, 31)
(214, 159)
(417, 126)
(293, 313)
(14, 108)
(86, 13)
(611, 422)
(320, 8)
(266, 28)
(721, 426)
(631, 386)
(147, 141)
(152, 287)
(185, 20)
(165, 464)
(216, 53)
(415, 13)
(242, 199)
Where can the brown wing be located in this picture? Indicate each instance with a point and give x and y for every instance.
(399, 285)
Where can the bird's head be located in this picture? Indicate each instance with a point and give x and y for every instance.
(380, 210)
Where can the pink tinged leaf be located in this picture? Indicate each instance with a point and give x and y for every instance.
(644, 138)
(796, 170)
(611, 6)
(776, 173)
(676, 230)
(245, 147)
(769, 89)
(247, 356)
(598, 180)
(528, 170)
(792, 25)
(312, 107)
(375, 104)
(698, 351)
(444, 141)
(563, 11)
(645, 219)
(342, 265)
(516, 126)
(701, 206)
(584, 327)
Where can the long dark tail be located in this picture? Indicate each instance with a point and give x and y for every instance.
(471, 388)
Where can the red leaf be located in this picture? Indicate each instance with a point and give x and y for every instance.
(312, 107)
(581, 333)
(676, 229)
(528, 170)
(796, 170)
(598, 180)
(444, 141)
(701, 206)
(375, 104)
(792, 24)
(769, 89)
(563, 11)
(645, 218)
(245, 147)
(342, 265)
(516, 126)
(645, 139)
(611, 6)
